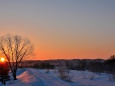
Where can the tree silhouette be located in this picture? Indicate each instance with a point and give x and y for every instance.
(16, 49)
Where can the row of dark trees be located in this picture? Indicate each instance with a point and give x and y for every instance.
(105, 66)
(44, 66)
(93, 66)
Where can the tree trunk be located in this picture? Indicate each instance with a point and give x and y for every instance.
(14, 76)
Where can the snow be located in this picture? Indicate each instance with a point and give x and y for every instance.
(36, 77)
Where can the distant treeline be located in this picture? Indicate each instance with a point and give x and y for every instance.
(43, 66)
(97, 65)
(63, 67)
(94, 66)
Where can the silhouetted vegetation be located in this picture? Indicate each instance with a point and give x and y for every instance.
(110, 64)
(110, 67)
(4, 70)
(81, 66)
(64, 72)
(15, 49)
(44, 66)
(97, 66)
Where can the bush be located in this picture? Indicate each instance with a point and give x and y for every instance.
(64, 74)
(4, 69)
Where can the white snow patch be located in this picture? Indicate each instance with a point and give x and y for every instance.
(36, 77)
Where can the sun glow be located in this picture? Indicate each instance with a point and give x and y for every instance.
(2, 59)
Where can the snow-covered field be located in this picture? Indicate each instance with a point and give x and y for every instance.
(36, 77)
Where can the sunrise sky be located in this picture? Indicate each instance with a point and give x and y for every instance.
(62, 29)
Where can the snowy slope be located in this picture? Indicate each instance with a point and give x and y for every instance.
(32, 77)
(36, 77)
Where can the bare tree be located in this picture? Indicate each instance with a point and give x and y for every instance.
(16, 49)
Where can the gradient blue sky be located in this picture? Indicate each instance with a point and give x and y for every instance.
(62, 29)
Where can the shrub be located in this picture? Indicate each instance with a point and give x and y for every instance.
(64, 74)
